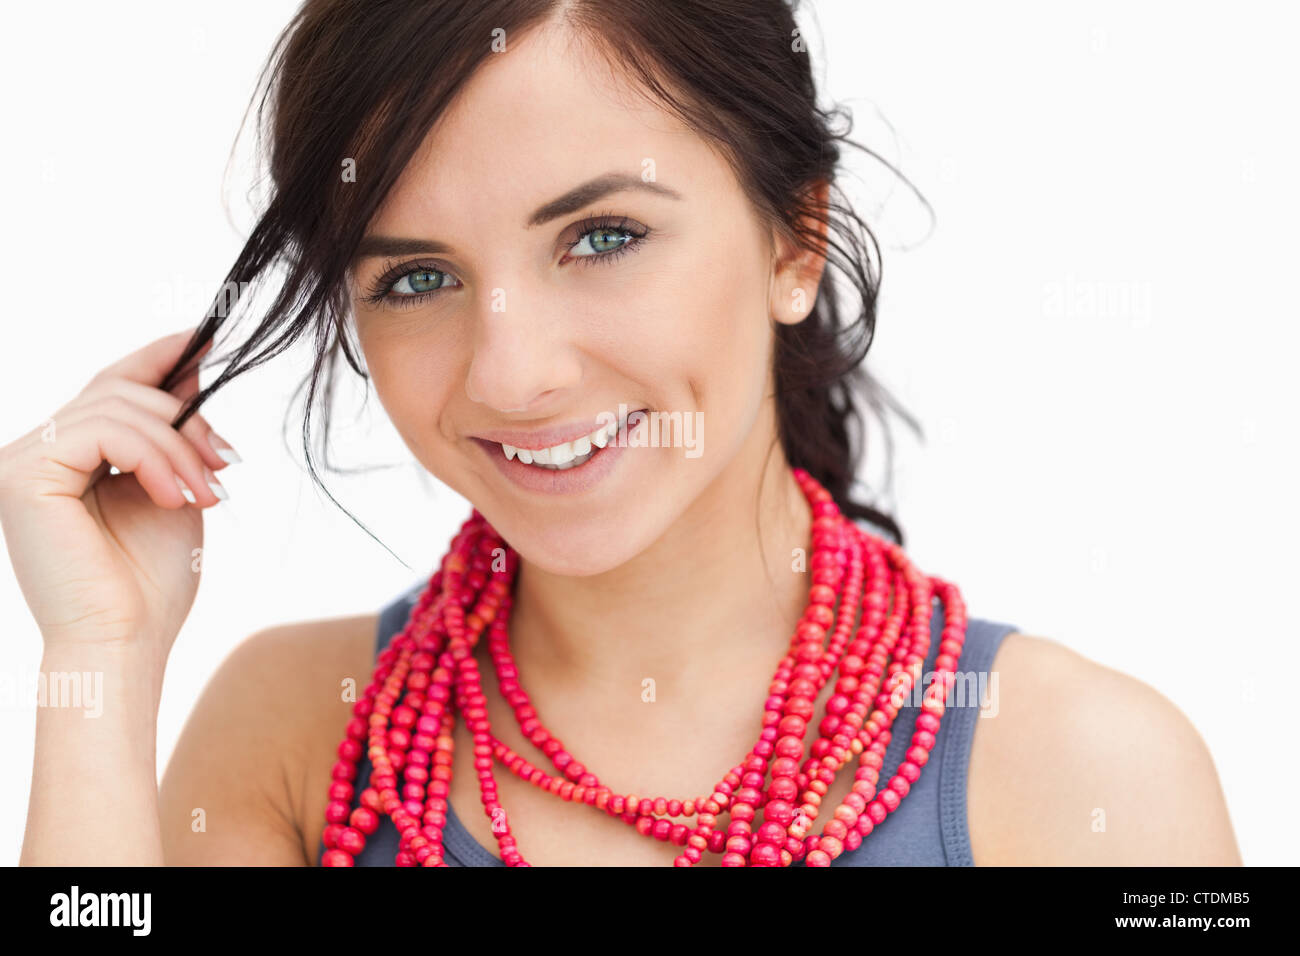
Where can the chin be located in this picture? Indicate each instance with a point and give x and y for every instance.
(592, 545)
(590, 532)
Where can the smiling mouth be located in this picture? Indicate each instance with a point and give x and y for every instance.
(568, 454)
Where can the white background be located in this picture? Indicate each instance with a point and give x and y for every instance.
(1097, 337)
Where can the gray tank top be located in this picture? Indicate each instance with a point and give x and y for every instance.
(927, 829)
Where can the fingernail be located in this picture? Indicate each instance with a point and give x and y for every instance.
(185, 490)
(216, 486)
(223, 449)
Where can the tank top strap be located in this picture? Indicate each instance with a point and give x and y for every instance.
(972, 699)
(394, 615)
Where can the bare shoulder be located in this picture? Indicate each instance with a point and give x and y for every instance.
(252, 764)
(1074, 763)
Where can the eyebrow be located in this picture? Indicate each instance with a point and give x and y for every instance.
(572, 201)
(595, 189)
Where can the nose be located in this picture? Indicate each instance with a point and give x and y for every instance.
(520, 356)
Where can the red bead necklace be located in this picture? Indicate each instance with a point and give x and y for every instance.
(428, 675)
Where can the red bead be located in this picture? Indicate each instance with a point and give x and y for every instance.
(365, 820)
(351, 840)
(341, 790)
(765, 855)
(329, 836)
(779, 811)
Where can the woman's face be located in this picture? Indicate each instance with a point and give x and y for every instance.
(497, 307)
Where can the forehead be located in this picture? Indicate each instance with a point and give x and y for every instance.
(532, 122)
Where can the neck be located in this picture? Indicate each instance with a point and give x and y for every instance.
(716, 594)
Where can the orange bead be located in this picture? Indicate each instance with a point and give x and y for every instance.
(831, 846)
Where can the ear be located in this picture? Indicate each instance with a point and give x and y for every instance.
(797, 271)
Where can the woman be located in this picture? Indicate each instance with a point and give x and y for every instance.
(551, 229)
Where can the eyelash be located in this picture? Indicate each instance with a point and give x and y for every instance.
(379, 293)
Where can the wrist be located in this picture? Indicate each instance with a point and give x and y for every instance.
(122, 672)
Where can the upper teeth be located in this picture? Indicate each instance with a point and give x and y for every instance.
(564, 454)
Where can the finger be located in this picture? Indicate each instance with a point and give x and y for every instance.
(69, 463)
(165, 406)
(184, 457)
(148, 365)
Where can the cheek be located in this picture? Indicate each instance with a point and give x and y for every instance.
(696, 328)
(414, 379)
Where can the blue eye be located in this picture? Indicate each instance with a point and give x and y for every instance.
(601, 241)
(605, 238)
(409, 284)
(419, 282)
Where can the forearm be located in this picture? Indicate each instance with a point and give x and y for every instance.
(94, 796)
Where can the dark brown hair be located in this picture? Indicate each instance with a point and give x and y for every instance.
(366, 79)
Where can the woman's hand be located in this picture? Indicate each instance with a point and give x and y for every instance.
(113, 559)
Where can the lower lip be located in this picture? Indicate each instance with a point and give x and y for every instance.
(554, 481)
